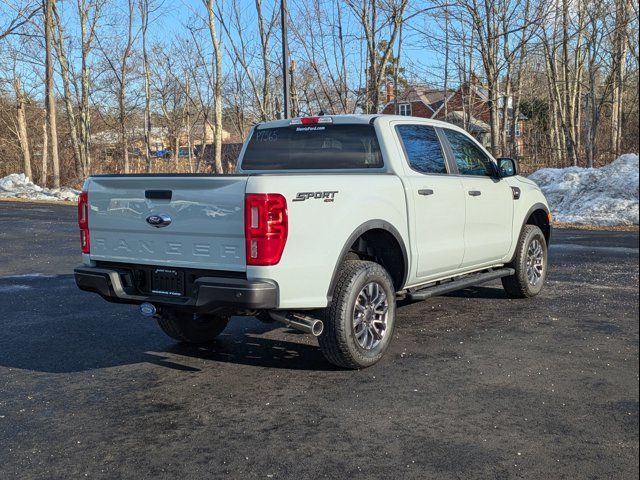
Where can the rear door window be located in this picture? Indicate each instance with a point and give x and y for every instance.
(313, 147)
(422, 148)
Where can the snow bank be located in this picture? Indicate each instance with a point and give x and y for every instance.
(594, 196)
(17, 185)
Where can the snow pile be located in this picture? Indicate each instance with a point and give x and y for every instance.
(18, 185)
(594, 196)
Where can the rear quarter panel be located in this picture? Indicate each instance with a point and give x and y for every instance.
(319, 229)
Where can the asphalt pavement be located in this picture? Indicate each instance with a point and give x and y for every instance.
(474, 386)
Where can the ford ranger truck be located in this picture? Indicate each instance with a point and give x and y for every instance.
(326, 223)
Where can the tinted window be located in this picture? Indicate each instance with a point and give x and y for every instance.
(313, 147)
(469, 158)
(422, 147)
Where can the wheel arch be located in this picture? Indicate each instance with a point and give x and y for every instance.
(539, 216)
(370, 235)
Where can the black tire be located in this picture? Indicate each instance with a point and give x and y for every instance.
(192, 328)
(519, 285)
(338, 342)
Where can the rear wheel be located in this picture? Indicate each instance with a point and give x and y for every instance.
(192, 328)
(530, 264)
(359, 322)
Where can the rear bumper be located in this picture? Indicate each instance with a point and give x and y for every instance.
(208, 293)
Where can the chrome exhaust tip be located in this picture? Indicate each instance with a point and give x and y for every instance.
(299, 322)
(148, 309)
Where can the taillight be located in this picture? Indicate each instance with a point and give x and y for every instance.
(266, 225)
(83, 222)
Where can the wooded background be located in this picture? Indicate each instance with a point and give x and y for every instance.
(90, 86)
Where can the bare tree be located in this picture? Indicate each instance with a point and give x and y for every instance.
(321, 35)
(170, 90)
(22, 126)
(89, 12)
(601, 76)
(238, 38)
(117, 56)
(374, 18)
(564, 76)
(217, 87)
(144, 7)
(620, 47)
(16, 14)
(201, 97)
(61, 52)
(45, 149)
(52, 126)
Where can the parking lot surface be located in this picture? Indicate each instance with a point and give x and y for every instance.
(474, 386)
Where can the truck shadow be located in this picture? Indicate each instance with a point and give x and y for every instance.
(246, 341)
(47, 325)
(489, 293)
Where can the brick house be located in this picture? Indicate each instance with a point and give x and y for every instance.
(415, 101)
(426, 102)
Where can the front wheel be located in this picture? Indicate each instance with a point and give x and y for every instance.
(530, 264)
(192, 328)
(360, 319)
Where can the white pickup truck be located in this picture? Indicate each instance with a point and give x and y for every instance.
(326, 223)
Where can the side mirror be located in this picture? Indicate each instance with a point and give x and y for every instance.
(508, 167)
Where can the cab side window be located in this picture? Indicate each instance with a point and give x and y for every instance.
(469, 158)
(422, 147)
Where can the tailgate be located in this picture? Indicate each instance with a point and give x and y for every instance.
(133, 220)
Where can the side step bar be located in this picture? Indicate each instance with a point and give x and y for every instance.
(453, 285)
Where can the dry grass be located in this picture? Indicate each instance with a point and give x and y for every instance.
(44, 202)
(606, 228)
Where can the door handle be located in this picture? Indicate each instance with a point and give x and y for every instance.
(425, 191)
(475, 193)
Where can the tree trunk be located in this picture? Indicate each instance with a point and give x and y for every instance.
(68, 103)
(217, 90)
(446, 63)
(50, 96)
(85, 114)
(264, 54)
(23, 137)
(144, 19)
(45, 151)
(295, 100)
(568, 110)
(124, 144)
(494, 115)
(620, 45)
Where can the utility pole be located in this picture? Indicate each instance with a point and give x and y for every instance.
(285, 59)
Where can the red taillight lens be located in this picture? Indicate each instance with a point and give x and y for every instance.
(83, 222)
(266, 227)
(309, 120)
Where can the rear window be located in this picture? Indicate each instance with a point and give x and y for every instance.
(422, 148)
(313, 147)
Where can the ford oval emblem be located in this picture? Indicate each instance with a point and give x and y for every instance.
(159, 221)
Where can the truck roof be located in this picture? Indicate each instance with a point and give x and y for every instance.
(357, 119)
